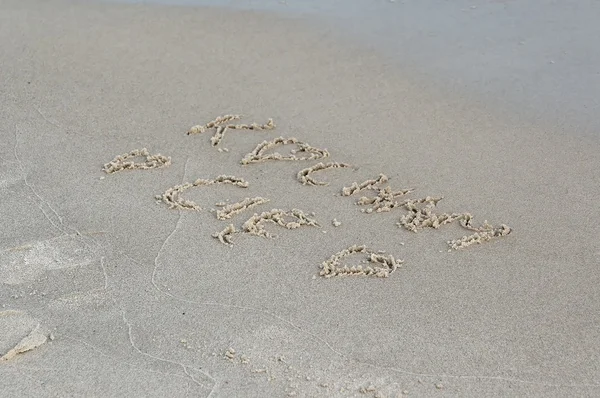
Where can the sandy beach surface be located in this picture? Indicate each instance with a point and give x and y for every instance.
(110, 287)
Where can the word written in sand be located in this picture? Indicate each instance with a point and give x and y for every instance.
(292, 219)
(421, 216)
(198, 129)
(221, 126)
(33, 340)
(304, 175)
(172, 196)
(382, 266)
(220, 131)
(420, 212)
(231, 210)
(369, 184)
(259, 155)
(255, 224)
(122, 162)
(384, 201)
(484, 233)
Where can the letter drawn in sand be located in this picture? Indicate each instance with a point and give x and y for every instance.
(259, 155)
(225, 235)
(483, 234)
(304, 175)
(220, 125)
(255, 225)
(172, 196)
(420, 217)
(198, 129)
(220, 132)
(384, 201)
(231, 210)
(382, 267)
(122, 162)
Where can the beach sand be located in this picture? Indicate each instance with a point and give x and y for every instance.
(138, 299)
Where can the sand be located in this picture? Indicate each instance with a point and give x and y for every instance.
(106, 292)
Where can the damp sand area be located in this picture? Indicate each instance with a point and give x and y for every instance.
(219, 203)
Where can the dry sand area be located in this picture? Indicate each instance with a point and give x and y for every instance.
(302, 249)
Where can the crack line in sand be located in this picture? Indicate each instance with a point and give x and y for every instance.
(60, 227)
(184, 367)
(258, 154)
(152, 279)
(120, 162)
(315, 337)
(33, 190)
(304, 175)
(45, 118)
(119, 361)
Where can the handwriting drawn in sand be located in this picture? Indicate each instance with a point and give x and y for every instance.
(305, 177)
(420, 212)
(385, 199)
(255, 225)
(220, 125)
(233, 209)
(123, 162)
(198, 129)
(306, 151)
(382, 265)
(420, 217)
(172, 196)
(221, 130)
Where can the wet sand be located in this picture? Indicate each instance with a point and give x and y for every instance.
(110, 292)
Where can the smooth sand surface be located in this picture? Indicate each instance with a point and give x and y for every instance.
(137, 299)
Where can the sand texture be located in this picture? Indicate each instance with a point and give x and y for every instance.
(313, 256)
